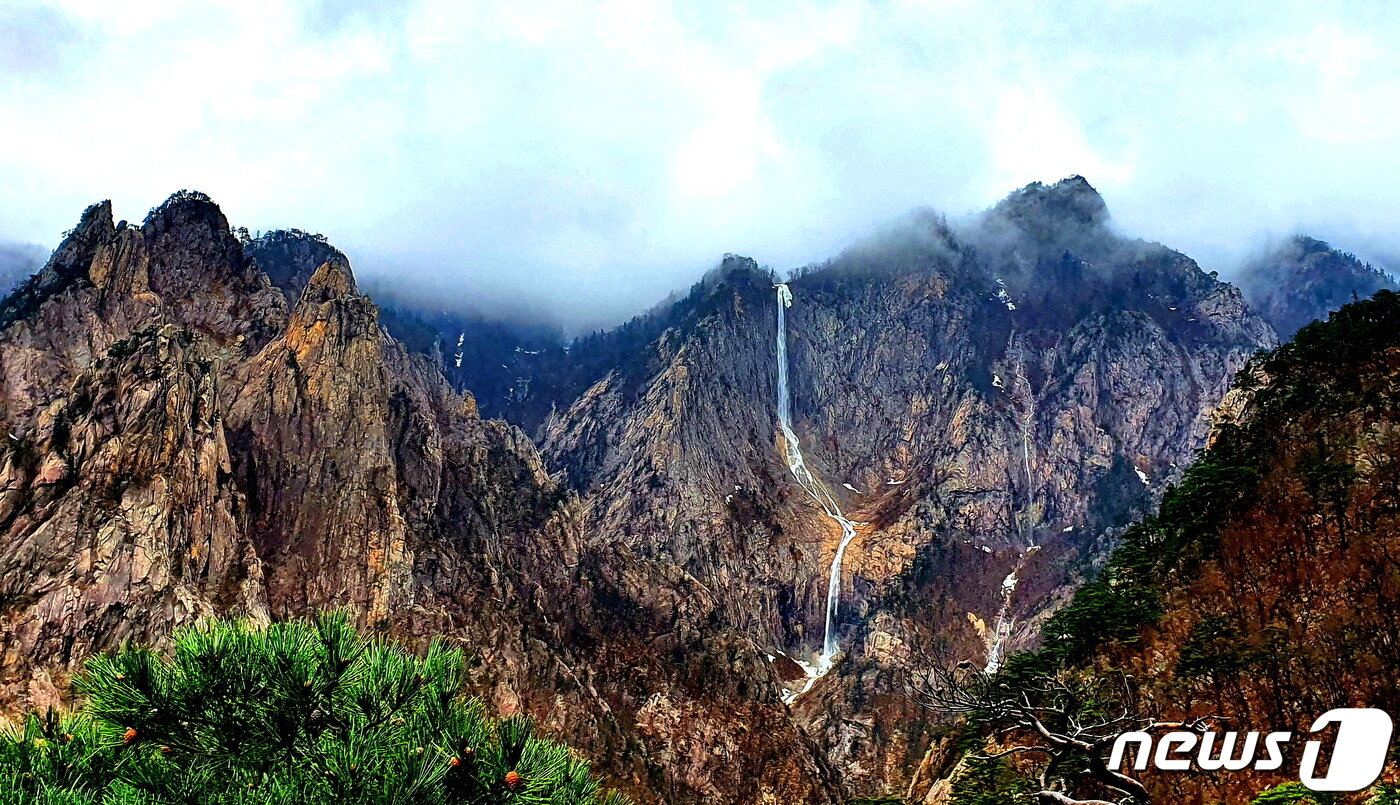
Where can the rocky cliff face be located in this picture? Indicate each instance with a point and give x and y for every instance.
(1304, 279)
(201, 423)
(181, 441)
(990, 405)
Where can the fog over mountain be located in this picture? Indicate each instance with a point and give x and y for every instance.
(17, 261)
(581, 161)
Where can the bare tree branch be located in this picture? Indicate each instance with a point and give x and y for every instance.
(1062, 716)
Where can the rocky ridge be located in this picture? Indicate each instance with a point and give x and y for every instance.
(181, 442)
(203, 423)
(1304, 279)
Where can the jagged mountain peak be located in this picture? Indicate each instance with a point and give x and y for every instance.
(97, 214)
(920, 236)
(1308, 244)
(332, 318)
(1069, 202)
(67, 265)
(737, 262)
(1042, 221)
(1035, 220)
(184, 207)
(334, 278)
(735, 270)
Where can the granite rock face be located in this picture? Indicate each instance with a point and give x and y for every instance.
(202, 423)
(1002, 397)
(180, 441)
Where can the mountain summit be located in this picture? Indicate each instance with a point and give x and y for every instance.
(1304, 279)
(1071, 201)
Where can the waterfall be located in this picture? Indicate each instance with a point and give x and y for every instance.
(1001, 630)
(1004, 623)
(815, 490)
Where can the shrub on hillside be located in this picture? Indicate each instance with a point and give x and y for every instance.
(302, 712)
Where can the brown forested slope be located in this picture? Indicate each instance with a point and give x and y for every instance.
(1266, 589)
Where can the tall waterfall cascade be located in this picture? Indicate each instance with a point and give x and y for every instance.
(818, 492)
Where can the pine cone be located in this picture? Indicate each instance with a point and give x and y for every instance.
(513, 780)
(129, 736)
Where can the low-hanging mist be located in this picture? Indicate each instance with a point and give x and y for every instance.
(587, 160)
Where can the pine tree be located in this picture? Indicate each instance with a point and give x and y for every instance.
(307, 712)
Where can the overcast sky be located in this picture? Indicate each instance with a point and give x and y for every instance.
(590, 156)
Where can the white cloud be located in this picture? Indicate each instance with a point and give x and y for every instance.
(610, 151)
(1033, 139)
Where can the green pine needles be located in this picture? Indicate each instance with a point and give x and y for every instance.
(302, 712)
